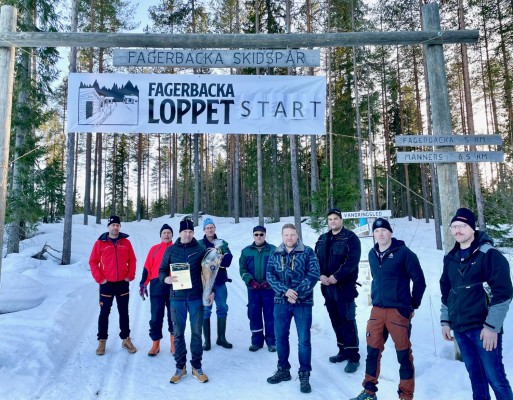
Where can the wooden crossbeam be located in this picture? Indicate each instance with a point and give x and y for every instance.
(234, 41)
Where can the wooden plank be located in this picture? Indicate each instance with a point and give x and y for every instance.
(419, 157)
(447, 140)
(216, 58)
(233, 41)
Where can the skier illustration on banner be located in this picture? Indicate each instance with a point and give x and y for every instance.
(209, 267)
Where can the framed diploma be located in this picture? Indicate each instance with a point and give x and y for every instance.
(182, 274)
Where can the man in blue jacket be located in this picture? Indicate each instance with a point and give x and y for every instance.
(476, 317)
(393, 267)
(293, 271)
(220, 289)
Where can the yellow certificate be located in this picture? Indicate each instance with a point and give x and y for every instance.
(181, 272)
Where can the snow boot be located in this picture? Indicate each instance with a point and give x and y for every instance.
(351, 366)
(172, 340)
(100, 350)
(155, 348)
(221, 332)
(128, 345)
(304, 382)
(281, 374)
(206, 334)
(339, 357)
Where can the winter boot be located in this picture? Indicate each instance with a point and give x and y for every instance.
(155, 348)
(280, 375)
(304, 382)
(221, 332)
(339, 357)
(206, 333)
(100, 350)
(199, 375)
(128, 345)
(351, 366)
(179, 375)
(365, 396)
(172, 340)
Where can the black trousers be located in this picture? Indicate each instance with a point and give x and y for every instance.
(108, 292)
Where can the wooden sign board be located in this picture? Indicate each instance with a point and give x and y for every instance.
(216, 58)
(419, 157)
(366, 214)
(447, 140)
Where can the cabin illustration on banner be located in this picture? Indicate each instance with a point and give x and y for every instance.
(118, 105)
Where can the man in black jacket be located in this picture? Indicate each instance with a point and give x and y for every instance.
(393, 266)
(475, 317)
(188, 251)
(339, 252)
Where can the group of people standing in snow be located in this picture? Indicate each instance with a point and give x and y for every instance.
(476, 292)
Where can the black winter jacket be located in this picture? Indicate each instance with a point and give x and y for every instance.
(191, 253)
(465, 303)
(339, 255)
(391, 278)
(222, 273)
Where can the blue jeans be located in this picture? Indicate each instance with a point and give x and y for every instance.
(484, 367)
(261, 304)
(179, 310)
(220, 300)
(283, 314)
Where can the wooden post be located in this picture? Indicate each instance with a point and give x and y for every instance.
(441, 117)
(7, 24)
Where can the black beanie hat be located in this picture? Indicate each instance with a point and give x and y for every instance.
(466, 216)
(186, 224)
(381, 223)
(259, 228)
(113, 219)
(166, 226)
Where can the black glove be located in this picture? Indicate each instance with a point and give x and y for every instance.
(143, 291)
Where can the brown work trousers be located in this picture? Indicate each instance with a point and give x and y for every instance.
(382, 322)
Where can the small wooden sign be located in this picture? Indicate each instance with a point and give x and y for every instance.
(418, 157)
(447, 140)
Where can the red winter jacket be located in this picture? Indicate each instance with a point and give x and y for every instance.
(114, 262)
(153, 261)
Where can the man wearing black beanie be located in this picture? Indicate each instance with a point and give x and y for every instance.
(476, 314)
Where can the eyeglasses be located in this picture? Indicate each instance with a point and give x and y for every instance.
(258, 234)
(458, 227)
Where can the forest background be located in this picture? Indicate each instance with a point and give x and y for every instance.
(374, 94)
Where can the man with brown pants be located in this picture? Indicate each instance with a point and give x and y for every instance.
(393, 266)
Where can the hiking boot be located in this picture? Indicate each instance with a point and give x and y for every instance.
(254, 347)
(179, 375)
(128, 345)
(338, 358)
(272, 349)
(172, 340)
(100, 350)
(304, 382)
(155, 348)
(199, 375)
(365, 396)
(351, 366)
(280, 375)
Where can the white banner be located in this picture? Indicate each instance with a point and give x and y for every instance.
(162, 103)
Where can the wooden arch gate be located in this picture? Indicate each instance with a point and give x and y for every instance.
(432, 37)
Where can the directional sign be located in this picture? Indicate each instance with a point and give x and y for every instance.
(366, 214)
(447, 140)
(419, 157)
(216, 58)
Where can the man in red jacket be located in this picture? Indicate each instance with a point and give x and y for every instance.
(159, 292)
(112, 264)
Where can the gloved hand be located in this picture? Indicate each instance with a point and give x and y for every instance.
(264, 285)
(254, 284)
(143, 291)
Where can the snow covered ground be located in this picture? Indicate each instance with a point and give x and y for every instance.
(48, 337)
